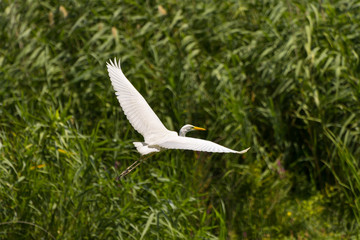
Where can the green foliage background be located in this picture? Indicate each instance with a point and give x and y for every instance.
(279, 76)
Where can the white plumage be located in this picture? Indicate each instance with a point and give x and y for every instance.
(147, 123)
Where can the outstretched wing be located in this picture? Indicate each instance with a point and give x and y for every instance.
(136, 109)
(195, 144)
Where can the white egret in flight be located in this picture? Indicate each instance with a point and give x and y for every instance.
(145, 121)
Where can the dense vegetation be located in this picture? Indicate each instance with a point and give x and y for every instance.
(279, 76)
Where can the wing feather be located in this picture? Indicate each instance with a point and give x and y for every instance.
(135, 107)
(195, 144)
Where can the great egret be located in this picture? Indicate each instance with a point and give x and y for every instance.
(144, 120)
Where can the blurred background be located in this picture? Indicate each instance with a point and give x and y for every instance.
(281, 77)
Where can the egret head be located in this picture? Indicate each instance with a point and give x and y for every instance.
(188, 128)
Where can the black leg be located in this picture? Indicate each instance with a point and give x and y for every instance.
(134, 165)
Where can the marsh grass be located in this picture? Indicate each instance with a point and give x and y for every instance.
(279, 76)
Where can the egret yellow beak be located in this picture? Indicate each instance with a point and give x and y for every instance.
(199, 128)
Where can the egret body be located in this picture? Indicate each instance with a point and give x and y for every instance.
(156, 136)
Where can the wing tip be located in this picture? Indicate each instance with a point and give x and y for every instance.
(244, 151)
(114, 63)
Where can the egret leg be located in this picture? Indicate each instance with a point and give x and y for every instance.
(134, 165)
